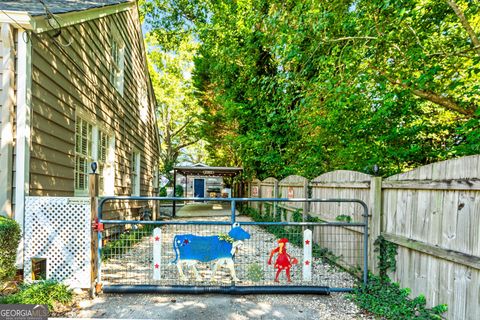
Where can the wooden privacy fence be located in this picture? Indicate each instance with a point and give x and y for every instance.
(432, 213)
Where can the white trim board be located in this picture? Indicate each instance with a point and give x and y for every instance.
(6, 109)
(23, 127)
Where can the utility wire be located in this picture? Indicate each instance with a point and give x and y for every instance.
(61, 48)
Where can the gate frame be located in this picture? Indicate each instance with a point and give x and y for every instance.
(233, 289)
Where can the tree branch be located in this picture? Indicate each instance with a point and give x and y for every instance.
(431, 96)
(466, 25)
(350, 38)
(181, 128)
(186, 144)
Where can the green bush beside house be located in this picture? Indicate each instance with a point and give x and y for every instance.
(9, 240)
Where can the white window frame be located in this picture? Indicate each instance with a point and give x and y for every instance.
(117, 57)
(108, 173)
(88, 156)
(106, 168)
(143, 101)
(135, 173)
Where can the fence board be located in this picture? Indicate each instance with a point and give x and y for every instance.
(432, 213)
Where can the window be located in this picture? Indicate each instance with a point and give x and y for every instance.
(135, 172)
(83, 154)
(117, 68)
(105, 161)
(93, 144)
(143, 101)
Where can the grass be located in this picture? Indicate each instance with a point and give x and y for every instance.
(46, 292)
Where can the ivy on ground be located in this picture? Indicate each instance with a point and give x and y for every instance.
(385, 298)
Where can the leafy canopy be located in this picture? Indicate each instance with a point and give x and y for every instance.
(310, 86)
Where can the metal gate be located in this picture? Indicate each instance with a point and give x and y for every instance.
(249, 251)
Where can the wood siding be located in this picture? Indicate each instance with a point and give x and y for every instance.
(77, 77)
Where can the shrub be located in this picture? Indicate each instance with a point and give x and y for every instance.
(43, 292)
(179, 191)
(255, 273)
(9, 239)
(163, 192)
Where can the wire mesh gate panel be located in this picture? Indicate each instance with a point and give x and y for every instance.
(186, 253)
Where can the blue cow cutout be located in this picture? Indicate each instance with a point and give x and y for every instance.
(191, 249)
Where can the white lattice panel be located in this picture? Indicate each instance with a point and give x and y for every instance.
(58, 229)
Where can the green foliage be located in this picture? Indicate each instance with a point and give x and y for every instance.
(225, 237)
(388, 300)
(310, 86)
(297, 216)
(255, 272)
(125, 241)
(386, 253)
(43, 292)
(179, 190)
(9, 240)
(177, 108)
(163, 192)
(343, 218)
(294, 234)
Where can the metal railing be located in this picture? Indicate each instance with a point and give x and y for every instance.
(141, 256)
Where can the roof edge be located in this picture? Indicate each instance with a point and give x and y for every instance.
(39, 24)
(16, 19)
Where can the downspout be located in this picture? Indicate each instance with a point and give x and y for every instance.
(23, 127)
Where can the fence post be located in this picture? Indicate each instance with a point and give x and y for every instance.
(376, 219)
(275, 195)
(259, 206)
(306, 205)
(93, 193)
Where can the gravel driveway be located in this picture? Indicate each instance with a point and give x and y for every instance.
(212, 307)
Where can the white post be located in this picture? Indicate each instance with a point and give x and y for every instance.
(23, 143)
(157, 253)
(307, 255)
(7, 102)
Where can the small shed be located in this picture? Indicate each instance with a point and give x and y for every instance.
(205, 181)
(202, 181)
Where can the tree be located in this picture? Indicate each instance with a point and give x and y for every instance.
(310, 86)
(177, 106)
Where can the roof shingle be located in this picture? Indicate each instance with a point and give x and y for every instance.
(35, 8)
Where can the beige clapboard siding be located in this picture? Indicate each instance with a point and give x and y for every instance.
(431, 213)
(59, 87)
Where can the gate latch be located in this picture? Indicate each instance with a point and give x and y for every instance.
(97, 226)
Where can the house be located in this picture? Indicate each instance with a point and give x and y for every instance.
(74, 90)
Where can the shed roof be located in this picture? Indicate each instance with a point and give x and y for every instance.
(35, 8)
(208, 171)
